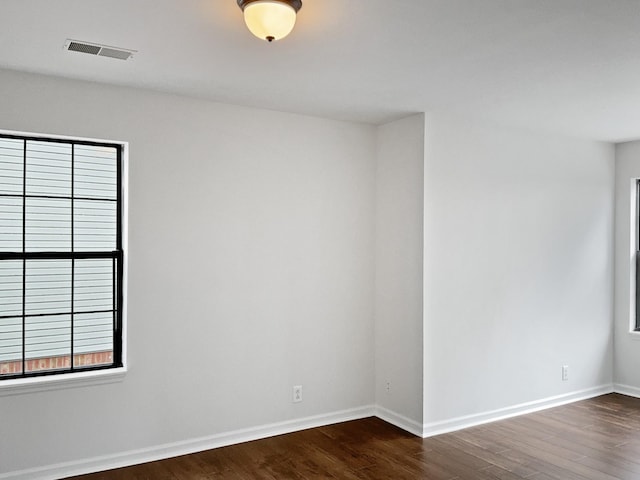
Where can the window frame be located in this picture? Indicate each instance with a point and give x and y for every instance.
(635, 324)
(76, 375)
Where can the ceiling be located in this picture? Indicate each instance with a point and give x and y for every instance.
(565, 66)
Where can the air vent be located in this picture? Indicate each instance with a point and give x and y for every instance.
(99, 50)
(83, 48)
(114, 53)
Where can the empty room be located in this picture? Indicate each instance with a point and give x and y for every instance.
(301, 239)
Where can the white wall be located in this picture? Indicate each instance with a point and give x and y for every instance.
(251, 269)
(255, 264)
(398, 304)
(627, 344)
(518, 267)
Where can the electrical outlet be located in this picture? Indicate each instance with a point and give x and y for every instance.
(388, 387)
(565, 373)
(297, 394)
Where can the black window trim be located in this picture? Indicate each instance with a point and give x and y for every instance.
(117, 255)
(636, 217)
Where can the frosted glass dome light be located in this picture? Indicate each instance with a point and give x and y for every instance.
(270, 19)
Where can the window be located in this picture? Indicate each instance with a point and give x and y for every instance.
(637, 248)
(61, 258)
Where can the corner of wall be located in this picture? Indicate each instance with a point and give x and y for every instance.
(398, 304)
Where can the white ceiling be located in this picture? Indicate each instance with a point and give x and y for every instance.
(565, 66)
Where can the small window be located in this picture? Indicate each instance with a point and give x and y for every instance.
(61, 258)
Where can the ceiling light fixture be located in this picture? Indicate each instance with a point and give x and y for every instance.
(270, 19)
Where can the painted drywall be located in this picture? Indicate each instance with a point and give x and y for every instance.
(398, 299)
(518, 266)
(260, 244)
(627, 344)
(251, 269)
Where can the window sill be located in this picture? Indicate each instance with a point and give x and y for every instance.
(61, 382)
(635, 334)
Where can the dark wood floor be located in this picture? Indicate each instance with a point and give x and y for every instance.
(592, 439)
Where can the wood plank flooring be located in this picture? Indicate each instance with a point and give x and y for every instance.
(597, 439)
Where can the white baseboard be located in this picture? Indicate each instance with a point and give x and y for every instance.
(398, 420)
(159, 452)
(451, 425)
(626, 390)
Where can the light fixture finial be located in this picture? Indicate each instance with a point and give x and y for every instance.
(270, 19)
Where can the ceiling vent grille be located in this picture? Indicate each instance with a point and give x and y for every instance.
(99, 50)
